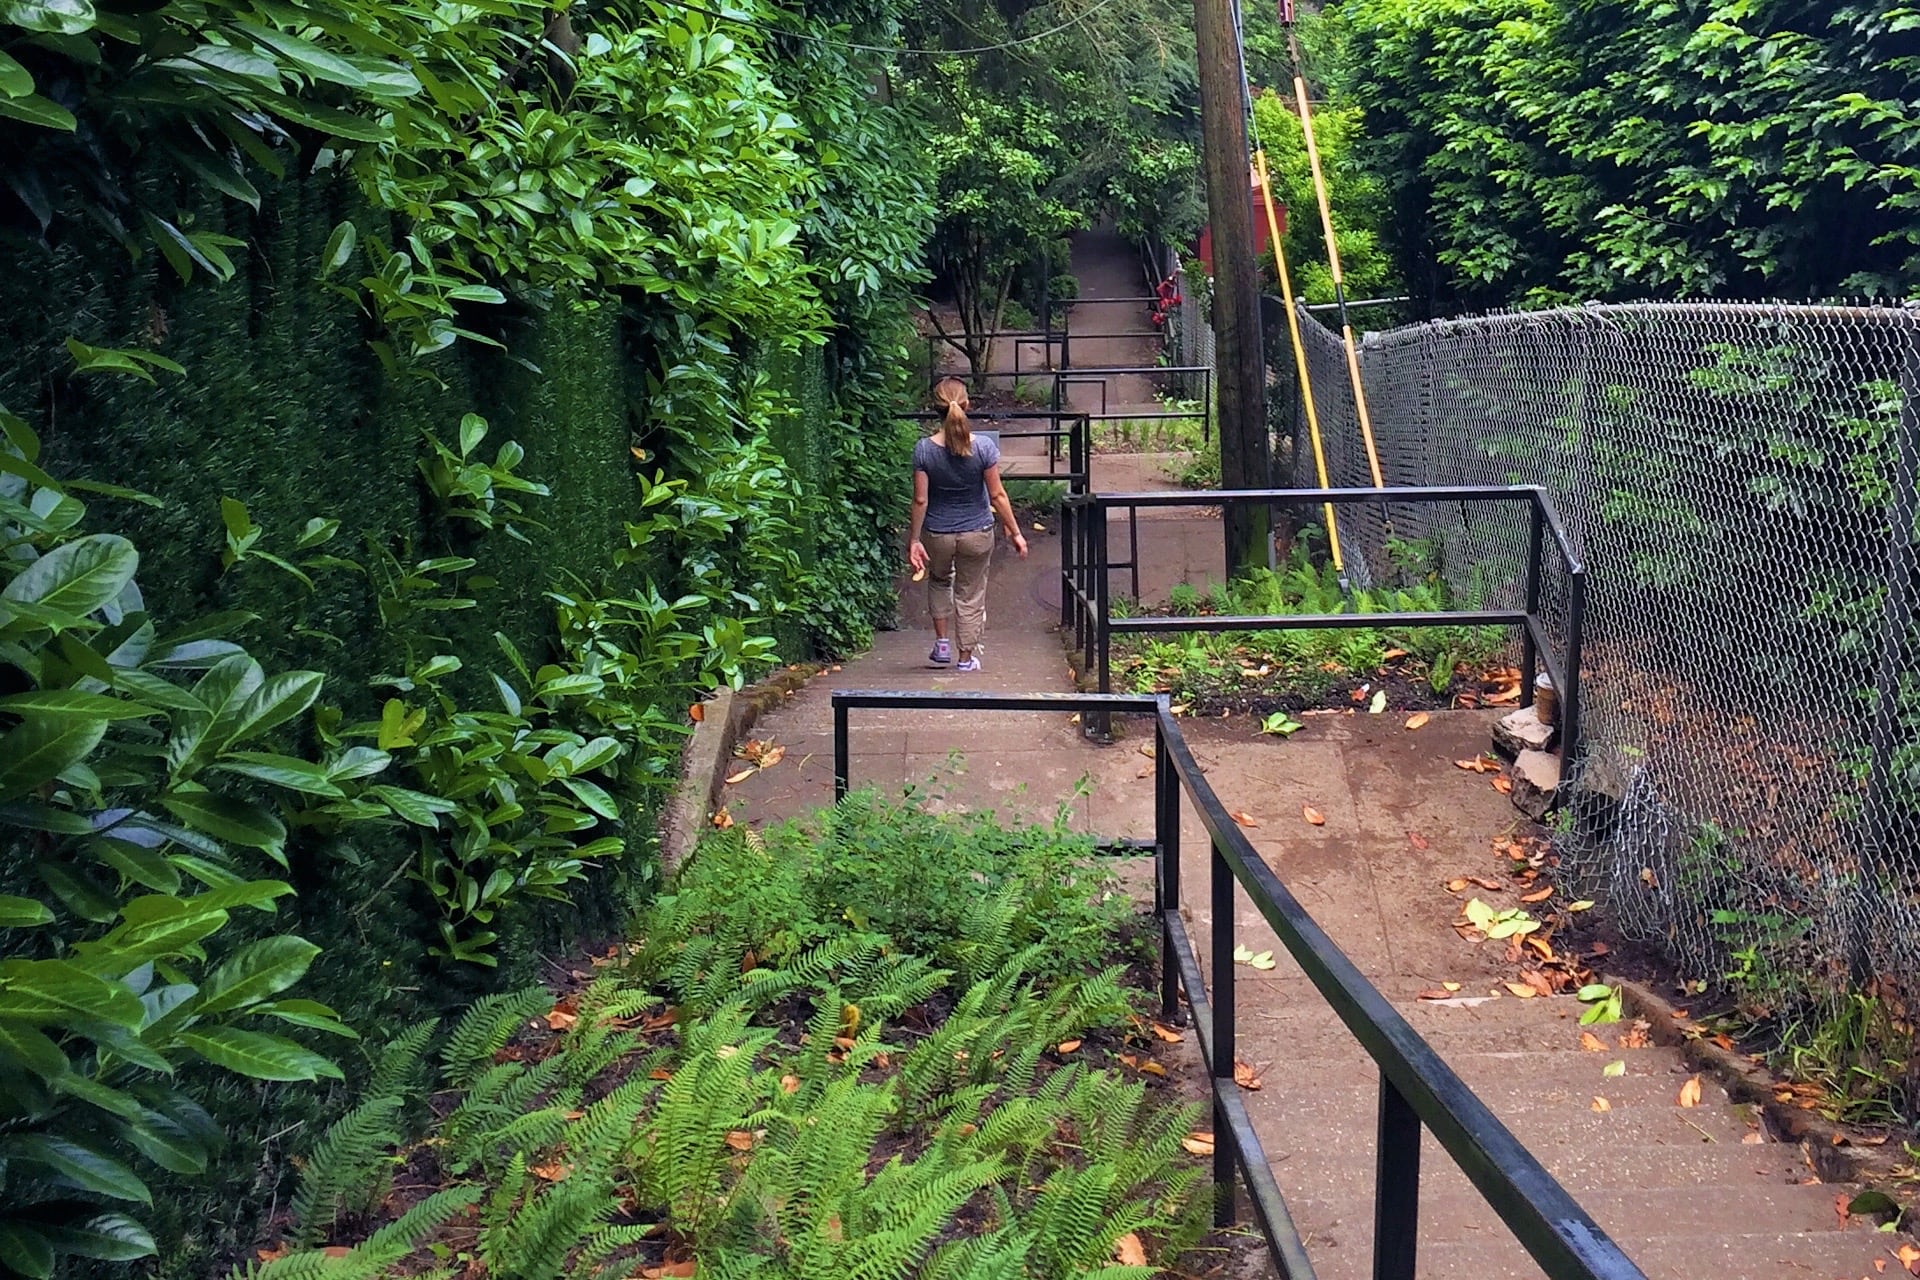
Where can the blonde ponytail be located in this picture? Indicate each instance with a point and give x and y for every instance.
(952, 393)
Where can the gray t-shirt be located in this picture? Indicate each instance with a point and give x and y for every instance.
(956, 487)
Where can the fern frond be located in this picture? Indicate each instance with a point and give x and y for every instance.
(346, 1161)
(485, 1030)
(395, 1076)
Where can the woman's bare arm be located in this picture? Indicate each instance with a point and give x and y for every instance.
(997, 495)
(917, 554)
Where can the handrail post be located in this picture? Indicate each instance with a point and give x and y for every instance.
(1166, 840)
(1103, 638)
(1133, 550)
(1570, 696)
(1396, 1193)
(1066, 563)
(840, 751)
(1529, 652)
(1077, 461)
(1223, 1045)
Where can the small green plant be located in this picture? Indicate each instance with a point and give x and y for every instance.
(243, 537)
(1281, 725)
(1604, 1004)
(1040, 497)
(474, 491)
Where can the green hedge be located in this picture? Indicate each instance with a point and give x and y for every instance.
(285, 407)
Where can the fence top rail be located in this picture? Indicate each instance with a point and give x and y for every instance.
(1543, 1217)
(996, 415)
(1540, 499)
(1613, 312)
(1085, 371)
(927, 699)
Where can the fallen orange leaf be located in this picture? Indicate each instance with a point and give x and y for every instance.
(789, 1084)
(1457, 884)
(741, 776)
(1244, 1077)
(740, 1140)
(1244, 819)
(1167, 1034)
(550, 1172)
(559, 1019)
(1199, 1144)
(1152, 1068)
(1520, 989)
(1690, 1092)
(1417, 840)
(1503, 785)
(1601, 1104)
(1068, 1046)
(281, 1250)
(668, 1269)
(1129, 1252)
(1592, 1043)
(1313, 815)
(1538, 895)
(1417, 719)
(697, 712)
(1434, 994)
(723, 820)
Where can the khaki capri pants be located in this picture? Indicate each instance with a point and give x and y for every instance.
(957, 582)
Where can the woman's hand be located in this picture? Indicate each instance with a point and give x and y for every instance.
(917, 555)
(1020, 543)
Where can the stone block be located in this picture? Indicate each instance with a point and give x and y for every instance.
(1536, 777)
(1521, 731)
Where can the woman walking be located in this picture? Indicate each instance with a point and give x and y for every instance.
(956, 491)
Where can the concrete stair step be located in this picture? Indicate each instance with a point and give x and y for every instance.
(1628, 1214)
(1341, 1167)
(1297, 1031)
(1819, 1255)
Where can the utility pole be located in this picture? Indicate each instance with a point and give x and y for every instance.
(1240, 372)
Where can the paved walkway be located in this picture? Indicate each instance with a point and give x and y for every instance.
(1690, 1192)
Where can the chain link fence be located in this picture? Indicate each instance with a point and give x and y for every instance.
(1190, 342)
(1741, 481)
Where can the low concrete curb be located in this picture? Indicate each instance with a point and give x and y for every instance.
(703, 763)
(1828, 1146)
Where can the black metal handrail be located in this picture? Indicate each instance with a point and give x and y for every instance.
(1086, 603)
(1418, 1090)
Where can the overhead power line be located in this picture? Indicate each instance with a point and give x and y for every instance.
(852, 46)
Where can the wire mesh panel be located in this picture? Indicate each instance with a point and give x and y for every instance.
(1192, 339)
(1740, 479)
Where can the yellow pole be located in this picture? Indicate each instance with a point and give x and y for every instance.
(1264, 182)
(1339, 288)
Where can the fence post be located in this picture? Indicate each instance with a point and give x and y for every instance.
(1529, 651)
(1166, 839)
(1396, 1193)
(1570, 696)
(1224, 1048)
(840, 750)
(1068, 515)
(1102, 726)
(1898, 613)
